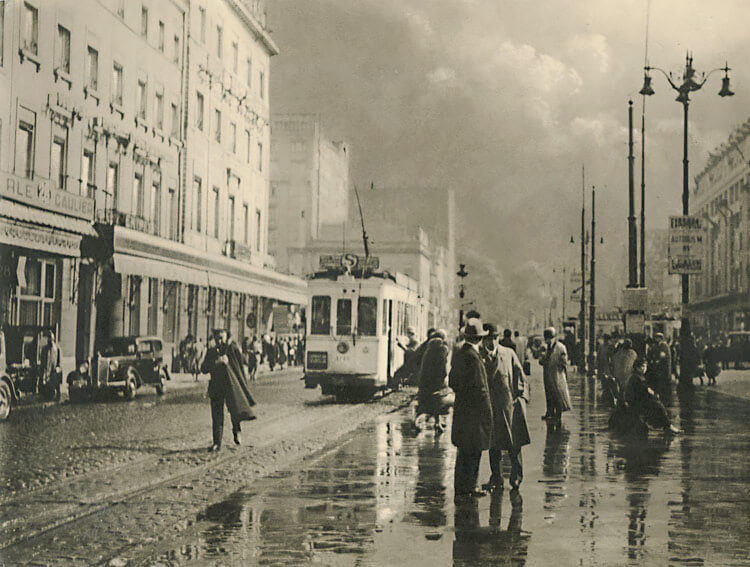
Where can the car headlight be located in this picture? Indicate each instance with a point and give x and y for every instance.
(113, 366)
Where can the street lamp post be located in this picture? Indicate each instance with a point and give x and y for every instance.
(688, 85)
(461, 273)
(592, 303)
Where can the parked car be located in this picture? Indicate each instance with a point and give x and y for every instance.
(127, 363)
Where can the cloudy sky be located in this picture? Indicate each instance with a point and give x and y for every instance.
(504, 100)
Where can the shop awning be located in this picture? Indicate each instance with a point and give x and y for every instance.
(17, 211)
(148, 267)
(253, 287)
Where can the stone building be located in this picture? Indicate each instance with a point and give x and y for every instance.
(720, 297)
(134, 144)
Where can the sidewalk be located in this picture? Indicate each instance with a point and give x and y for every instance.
(733, 383)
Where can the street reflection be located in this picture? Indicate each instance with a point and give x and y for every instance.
(555, 466)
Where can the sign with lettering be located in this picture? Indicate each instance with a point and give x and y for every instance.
(40, 193)
(348, 260)
(39, 239)
(685, 251)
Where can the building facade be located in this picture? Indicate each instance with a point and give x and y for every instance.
(309, 198)
(720, 297)
(134, 160)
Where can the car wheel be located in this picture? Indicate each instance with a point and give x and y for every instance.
(6, 401)
(130, 386)
(160, 385)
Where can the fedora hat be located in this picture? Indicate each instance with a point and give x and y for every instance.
(474, 328)
(491, 329)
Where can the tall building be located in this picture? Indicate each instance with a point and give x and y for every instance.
(720, 297)
(309, 186)
(134, 169)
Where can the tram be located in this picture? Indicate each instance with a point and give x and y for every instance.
(353, 324)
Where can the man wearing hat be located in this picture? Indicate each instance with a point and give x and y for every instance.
(555, 363)
(507, 387)
(644, 402)
(659, 374)
(472, 411)
(227, 385)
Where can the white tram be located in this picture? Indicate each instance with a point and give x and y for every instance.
(352, 327)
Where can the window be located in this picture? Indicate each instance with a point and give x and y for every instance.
(138, 194)
(235, 57)
(202, 12)
(155, 206)
(161, 36)
(159, 110)
(63, 49)
(245, 223)
(320, 322)
(386, 311)
(249, 67)
(113, 182)
(141, 104)
(174, 120)
(176, 55)
(88, 173)
(216, 212)
(233, 134)
(217, 125)
(39, 303)
(219, 41)
(248, 145)
(262, 84)
(58, 168)
(343, 316)
(25, 144)
(231, 217)
(197, 190)
(117, 84)
(260, 156)
(92, 69)
(257, 229)
(152, 313)
(144, 21)
(199, 111)
(367, 316)
(30, 32)
(172, 213)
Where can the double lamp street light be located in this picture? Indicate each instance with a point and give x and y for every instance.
(689, 85)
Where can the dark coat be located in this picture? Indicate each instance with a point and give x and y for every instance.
(659, 361)
(228, 381)
(431, 377)
(472, 410)
(505, 378)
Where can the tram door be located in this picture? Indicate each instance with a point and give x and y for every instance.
(388, 305)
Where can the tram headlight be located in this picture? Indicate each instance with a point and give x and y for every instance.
(342, 347)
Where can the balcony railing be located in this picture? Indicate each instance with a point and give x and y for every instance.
(128, 220)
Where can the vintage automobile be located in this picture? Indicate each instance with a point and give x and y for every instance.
(127, 363)
(20, 355)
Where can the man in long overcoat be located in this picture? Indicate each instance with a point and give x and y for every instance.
(472, 411)
(505, 378)
(659, 374)
(555, 363)
(223, 361)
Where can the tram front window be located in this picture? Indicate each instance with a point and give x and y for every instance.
(367, 316)
(320, 323)
(344, 317)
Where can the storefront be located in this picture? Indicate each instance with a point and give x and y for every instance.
(40, 252)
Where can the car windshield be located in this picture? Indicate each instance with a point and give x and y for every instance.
(118, 347)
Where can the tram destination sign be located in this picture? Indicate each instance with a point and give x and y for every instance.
(348, 260)
(685, 249)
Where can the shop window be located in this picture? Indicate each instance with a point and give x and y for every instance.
(367, 316)
(38, 297)
(320, 321)
(134, 301)
(343, 317)
(153, 305)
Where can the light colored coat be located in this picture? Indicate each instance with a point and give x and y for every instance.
(555, 363)
(507, 385)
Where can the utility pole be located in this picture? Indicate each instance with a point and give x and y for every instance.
(643, 194)
(632, 243)
(582, 322)
(592, 306)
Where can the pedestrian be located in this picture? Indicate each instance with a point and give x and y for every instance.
(223, 361)
(433, 370)
(555, 363)
(622, 364)
(522, 351)
(659, 361)
(472, 412)
(281, 352)
(505, 378)
(50, 376)
(198, 352)
(269, 347)
(643, 402)
(713, 361)
(507, 340)
(251, 359)
(407, 372)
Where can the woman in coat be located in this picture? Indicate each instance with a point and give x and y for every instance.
(555, 363)
(505, 378)
(472, 411)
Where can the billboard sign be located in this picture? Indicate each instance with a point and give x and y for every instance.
(685, 252)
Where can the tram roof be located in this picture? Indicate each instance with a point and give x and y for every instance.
(341, 276)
